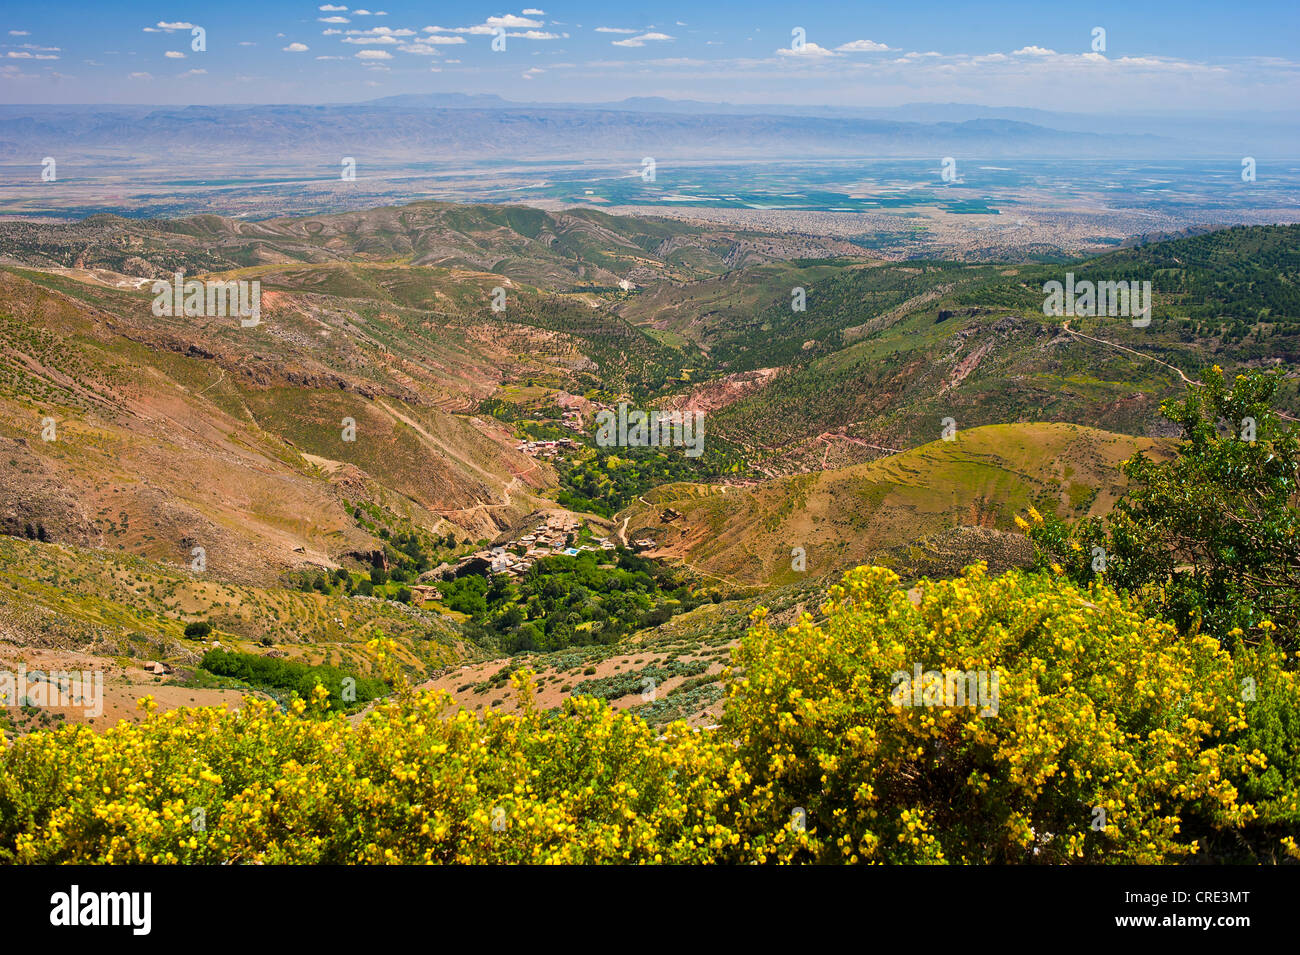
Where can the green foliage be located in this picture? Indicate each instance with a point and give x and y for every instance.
(568, 601)
(609, 479)
(291, 677)
(1213, 535)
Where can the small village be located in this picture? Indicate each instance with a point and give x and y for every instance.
(549, 534)
(546, 449)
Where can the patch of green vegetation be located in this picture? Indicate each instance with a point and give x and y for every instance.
(280, 678)
(565, 601)
(605, 480)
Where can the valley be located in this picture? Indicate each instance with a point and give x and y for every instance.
(382, 455)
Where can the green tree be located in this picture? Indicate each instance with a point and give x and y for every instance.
(1211, 535)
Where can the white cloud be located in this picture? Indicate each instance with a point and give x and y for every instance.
(535, 35)
(1034, 51)
(510, 20)
(169, 27)
(642, 39)
(482, 28)
(533, 13)
(442, 39)
(333, 19)
(808, 49)
(862, 46)
(530, 73)
(24, 55)
(19, 33)
(385, 40)
(193, 73)
(140, 76)
(296, 48)
(331, 8)
(174, 55)
(491, 25)
(613, 30)
(374, 55)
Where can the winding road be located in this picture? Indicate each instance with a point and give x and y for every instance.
(1132, 351)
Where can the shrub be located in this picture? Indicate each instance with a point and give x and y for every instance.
(410, 783)
(291, 676)
(1098, 706)
(1212, 536)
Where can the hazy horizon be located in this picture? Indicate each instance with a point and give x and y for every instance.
(1110, 57)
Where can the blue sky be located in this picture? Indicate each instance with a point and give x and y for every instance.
(1161, 56)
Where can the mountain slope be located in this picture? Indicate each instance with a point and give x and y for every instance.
(870, 513)
(575, 249)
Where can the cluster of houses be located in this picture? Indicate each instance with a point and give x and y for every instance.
(553, 534)
(546, 449)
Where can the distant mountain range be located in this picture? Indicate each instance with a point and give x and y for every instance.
(461, 126)
(911, 112)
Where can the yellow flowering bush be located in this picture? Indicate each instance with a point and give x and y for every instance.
(409, 783)
(1101, 714)
(1108, 727)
